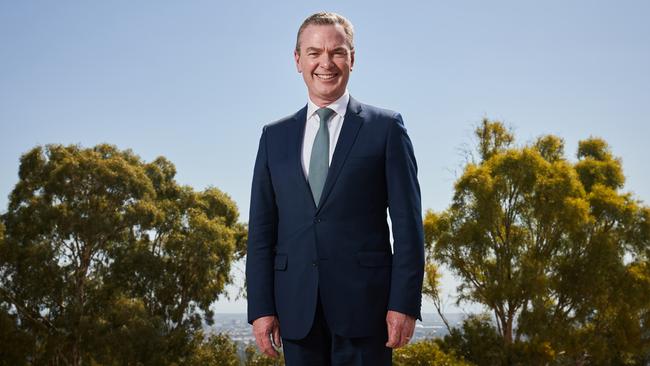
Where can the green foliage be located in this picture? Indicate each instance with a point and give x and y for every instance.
(551, 246)
(431, 284)
(425, 353)
(477, 342)
(597, 166)
(492, 138)
(551, 148)
(15, 342)
(254, 358)
(106, 259)
(217, 349)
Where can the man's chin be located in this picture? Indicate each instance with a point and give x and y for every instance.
(330, 93)
(326, 88)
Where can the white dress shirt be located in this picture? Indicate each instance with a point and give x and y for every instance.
(312, 124)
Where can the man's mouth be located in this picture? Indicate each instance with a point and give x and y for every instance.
(326, 76)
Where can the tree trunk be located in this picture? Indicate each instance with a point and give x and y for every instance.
(507, 331)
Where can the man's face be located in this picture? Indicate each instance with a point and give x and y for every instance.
(325, 61)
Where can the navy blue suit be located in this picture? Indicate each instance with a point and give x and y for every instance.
(340, 248)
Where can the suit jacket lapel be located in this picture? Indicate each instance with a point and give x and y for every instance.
(351, 124)
(296, 137)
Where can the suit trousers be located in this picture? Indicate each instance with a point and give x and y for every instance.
(321, 347)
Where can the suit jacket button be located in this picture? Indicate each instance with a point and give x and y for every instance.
(314, 263)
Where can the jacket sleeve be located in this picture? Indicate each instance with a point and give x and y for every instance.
(262, 237)
(405, 208)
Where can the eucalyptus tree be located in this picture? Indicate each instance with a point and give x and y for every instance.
(107, 259)
(553, 248)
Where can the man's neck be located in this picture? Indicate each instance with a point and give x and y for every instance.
(339, 105)
(324, 102)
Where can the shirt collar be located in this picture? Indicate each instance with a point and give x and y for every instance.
(340, 106)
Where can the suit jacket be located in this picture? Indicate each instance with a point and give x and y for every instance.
(340, 248)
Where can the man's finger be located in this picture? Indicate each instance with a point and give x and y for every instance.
(268, 347)
(258, 341)
(408, 328)
(393, 336)
(277, 340)
(404, 338)
(264, 344)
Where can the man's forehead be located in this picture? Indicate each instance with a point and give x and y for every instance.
(320, 33)
(341, 47)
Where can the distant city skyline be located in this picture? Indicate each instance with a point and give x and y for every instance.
(196, 81)
(237, 327)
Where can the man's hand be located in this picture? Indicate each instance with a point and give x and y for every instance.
(400, 329)
(263, 328)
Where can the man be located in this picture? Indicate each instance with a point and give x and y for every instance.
(319, 268)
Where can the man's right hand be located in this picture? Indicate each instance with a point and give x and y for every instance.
(263, 328)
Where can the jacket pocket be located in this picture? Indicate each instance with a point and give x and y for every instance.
(375, 259)
(280, 262)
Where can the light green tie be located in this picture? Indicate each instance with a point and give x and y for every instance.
(320, 155)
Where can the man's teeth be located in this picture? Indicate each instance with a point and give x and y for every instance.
(325, 76)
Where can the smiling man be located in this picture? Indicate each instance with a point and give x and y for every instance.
(322, 279)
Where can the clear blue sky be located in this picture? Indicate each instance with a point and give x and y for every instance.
(195, 81)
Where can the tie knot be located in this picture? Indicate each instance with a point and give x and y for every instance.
(324, 114)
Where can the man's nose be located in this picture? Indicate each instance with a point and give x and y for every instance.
(325, 60)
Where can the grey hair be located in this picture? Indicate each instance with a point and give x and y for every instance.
(328, 18)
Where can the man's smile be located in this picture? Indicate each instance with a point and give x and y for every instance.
(326, 76)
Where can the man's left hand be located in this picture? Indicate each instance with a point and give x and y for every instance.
(400, 328)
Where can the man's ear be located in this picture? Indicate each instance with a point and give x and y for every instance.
(351, 59)
(296, 57)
